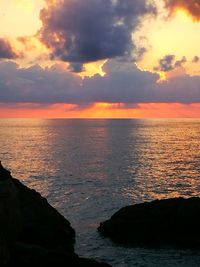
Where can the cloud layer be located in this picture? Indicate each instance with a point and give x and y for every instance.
(90, 30)
(123, 83)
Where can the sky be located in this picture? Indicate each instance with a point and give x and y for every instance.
(100, 58)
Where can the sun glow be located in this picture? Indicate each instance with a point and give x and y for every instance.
(173, 36)
(183, 14)
(20, 17)
(93, 68)
(102, 111)
(32, 50)
(25, 5)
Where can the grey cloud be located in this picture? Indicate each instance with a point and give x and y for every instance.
(166, 63)
(76, 67)
(36, 85)
(6, 50)
(169, 63)
(131, 85)
(180, 63)
(124, 83)
(90, 30)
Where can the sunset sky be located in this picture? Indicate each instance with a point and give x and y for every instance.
(100, 58)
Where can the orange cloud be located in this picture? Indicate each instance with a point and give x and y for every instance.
(192, 7)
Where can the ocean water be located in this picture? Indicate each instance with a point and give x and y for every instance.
(88, 169)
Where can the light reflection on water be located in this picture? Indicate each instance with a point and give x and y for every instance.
(88, 169)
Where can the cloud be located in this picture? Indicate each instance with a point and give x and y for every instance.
(6, 50)
(86, 31)
(127, 84)
(196, 59)
(166, 63)
(123, 83)
(76, 67)
(169, 63)
(181, 62)
(191, 6)
(36, 85)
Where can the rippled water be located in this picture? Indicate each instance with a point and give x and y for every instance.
(88, 169)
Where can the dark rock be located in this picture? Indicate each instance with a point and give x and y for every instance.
(4, 174)
(32, 232)
(10, 214)
(42, 225)
(29, 255)
(173, 222)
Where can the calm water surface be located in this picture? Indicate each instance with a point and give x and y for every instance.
(88, 169)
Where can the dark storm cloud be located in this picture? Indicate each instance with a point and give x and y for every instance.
(82, 31)
(191, 6)
(6, 50)
(169, 63)
(123, 83)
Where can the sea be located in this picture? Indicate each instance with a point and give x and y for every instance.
(89, 169)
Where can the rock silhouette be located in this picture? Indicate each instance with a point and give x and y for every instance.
(10, 215)
(166, 222)
(32, 232)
